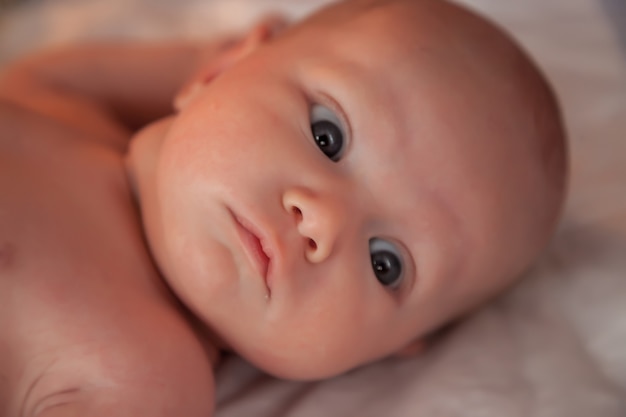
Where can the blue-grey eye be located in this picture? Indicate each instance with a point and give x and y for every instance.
(327, 131)
(386, 263)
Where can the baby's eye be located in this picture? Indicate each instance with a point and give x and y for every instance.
(386, 263)
(327, 132)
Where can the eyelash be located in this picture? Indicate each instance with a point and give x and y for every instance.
(327, 101)
(409, 270)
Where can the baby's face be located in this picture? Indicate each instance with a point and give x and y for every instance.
(328, 201)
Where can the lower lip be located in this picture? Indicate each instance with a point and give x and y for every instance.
(253, 249)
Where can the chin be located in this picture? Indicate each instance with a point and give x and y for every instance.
(304, 367)
(302, 371)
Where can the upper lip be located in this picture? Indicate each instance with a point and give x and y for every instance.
(255, 245)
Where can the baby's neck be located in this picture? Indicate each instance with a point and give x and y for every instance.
(143, 154)
(141, 163)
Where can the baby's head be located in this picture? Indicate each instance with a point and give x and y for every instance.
(356, 182)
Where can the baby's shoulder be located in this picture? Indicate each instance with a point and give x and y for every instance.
(74, 345)
(85, 320)
(21, 120)
(117, 379)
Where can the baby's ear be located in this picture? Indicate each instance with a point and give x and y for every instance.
(223, 59)
(414, 348)
(426, 341)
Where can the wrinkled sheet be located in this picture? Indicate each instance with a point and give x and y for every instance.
(555, 345)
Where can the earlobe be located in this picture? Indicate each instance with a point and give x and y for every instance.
(261, 33)
(226, 58)
(414, 348)
(419, 345)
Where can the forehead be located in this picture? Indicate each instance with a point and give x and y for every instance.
(370, 30)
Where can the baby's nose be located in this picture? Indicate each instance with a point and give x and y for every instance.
(318, 218)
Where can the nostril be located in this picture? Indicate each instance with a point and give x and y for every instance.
(297, 213)
(312, 244)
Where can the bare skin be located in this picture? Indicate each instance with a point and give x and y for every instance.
(90, 328)
(451, 167)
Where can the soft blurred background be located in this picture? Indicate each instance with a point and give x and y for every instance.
(28, 24)
(556, 344)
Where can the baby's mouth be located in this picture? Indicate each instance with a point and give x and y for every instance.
(253, 247)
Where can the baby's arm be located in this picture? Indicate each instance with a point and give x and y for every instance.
(131, 84)
(117, 87)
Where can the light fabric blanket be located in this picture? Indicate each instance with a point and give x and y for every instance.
(553, 346)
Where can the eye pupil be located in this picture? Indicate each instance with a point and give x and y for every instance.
(322, 140)
(328, 138)
(387, 267)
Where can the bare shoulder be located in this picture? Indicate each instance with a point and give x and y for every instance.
(95, 409)
(20, 120)
(85, 319)
(16, 121)
(176, 389)
(155, 397)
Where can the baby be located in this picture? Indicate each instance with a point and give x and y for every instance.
(324, 196)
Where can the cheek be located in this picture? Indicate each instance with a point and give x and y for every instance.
(236, 158)
(197, 253)
(340, 326)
